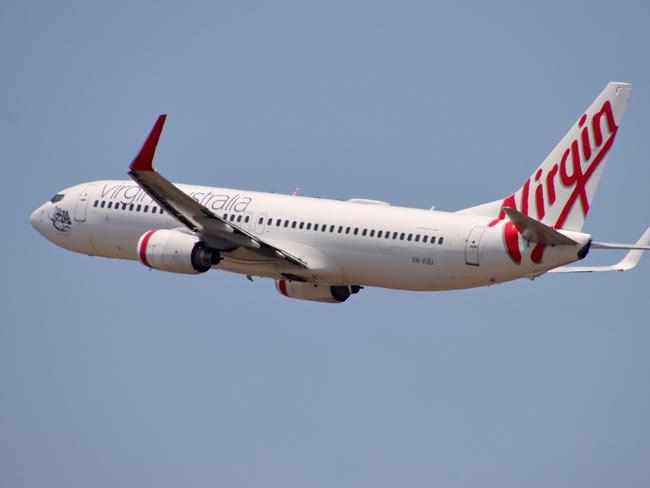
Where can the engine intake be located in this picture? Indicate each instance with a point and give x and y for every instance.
(315, 292)
(176, 252)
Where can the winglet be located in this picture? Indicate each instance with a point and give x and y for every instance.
(144, 160)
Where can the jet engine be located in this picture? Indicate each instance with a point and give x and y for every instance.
(176, 252)
(316, 292)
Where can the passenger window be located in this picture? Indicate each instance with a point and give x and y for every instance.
(153, 210)
(340, 229)
(96, 203)
(260, 220)
(146, 208)
(293, 224)
(410, 236)
(239, 217)
(103, 203)
(356, 231)
(433, 239)
(270, 221)
(57, 198)
(364, 232)
(137, 209)
(124, 207)
(302, 225)
(308, 226)
(286, 223)
(162, 210)
(401, 236)
(424, 239)
(278, 222)
(372, 233)
(315, 226)
(440, 240)
(131, 208)
(324, 228)
(331, 228)
(387, 234)
(110, 204)
(247, 219)
(347, 230)
(225, 216)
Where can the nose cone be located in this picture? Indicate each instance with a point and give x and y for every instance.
(37, 219)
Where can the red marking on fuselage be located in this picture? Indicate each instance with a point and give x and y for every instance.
(511, 238)
(509, 202)
(538, 253)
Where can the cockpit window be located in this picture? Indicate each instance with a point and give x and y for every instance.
(57, 198)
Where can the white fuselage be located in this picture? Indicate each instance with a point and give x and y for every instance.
(343, 242)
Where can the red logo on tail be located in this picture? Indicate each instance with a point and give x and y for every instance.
(573, 172)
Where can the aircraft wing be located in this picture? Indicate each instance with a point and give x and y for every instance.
(191, 213)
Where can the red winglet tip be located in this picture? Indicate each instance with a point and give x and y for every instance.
(144, 160)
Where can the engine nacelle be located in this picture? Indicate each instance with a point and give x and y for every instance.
(176, 252)
(315, 292)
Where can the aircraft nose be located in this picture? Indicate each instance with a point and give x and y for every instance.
(36, 218)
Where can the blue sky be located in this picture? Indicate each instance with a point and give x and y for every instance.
(112, 375)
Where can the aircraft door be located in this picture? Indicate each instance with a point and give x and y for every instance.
(260, 223)
(81, 207)
(472, 246)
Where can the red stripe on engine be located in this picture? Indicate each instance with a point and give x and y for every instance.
(143, 248)
(283, 287)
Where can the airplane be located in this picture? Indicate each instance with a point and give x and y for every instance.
(327, 250)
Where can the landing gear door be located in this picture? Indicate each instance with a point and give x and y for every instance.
(81, 207)
(472, 246)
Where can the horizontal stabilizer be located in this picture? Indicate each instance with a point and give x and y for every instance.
(613, 245)
(630, 260)
(533, 230)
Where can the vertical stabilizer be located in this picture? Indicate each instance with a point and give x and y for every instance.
(561, 189)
